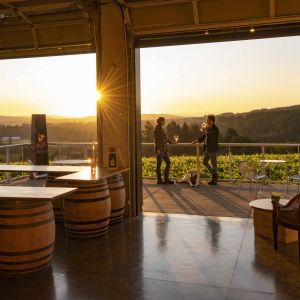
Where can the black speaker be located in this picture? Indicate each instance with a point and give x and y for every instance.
(39, 140)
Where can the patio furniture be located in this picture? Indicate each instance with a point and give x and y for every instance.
(249, 175)
(72, 162)
(263, 221)
(288, 216)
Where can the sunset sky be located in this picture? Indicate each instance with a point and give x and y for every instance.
(182, 80)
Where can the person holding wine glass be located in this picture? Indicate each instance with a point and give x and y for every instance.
(161, 149)
(210, 138)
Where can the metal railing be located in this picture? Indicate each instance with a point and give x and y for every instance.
(262, 146)
(87, 146)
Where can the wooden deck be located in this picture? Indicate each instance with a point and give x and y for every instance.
(221, 200)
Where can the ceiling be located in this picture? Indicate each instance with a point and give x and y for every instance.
(37, 28)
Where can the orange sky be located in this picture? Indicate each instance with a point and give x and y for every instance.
(182, 80)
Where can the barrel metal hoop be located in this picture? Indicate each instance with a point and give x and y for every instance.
(87, 222)
(27, 215)
(117, 188)
(21, 226)
(15, 263)
(27, 252)
(119, 209)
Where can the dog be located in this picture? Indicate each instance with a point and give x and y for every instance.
(190, 178)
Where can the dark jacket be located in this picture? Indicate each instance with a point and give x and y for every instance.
(160, 139)
(210, 139)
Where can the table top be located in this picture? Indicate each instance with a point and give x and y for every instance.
(266, 204)
(273, 161)
(33, 193)
(72, 162)
(87, 175)
(42, 168)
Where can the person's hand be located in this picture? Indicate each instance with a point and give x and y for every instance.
(194, 142)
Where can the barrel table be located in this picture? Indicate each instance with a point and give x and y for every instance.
(117, 197)
(263, 222)
(87, 212)
(27, 228)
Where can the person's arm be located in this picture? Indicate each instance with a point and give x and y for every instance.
(199, 140)
(157, 139)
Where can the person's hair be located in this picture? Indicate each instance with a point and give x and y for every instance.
(211, 117)
(160, 120)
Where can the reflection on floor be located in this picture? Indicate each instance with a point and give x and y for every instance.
(167, 256)
(220, 200)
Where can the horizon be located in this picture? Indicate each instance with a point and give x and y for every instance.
(191, 80)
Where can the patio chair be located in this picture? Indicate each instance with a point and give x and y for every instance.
(248, 174)
(288, 216)
(294, 178)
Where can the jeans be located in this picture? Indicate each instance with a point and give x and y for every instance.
(212, 157)
(159, 158)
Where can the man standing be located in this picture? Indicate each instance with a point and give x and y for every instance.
(161, 150)
(211, 147)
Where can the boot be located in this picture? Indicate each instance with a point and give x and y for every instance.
(158, 176)
(166, 176)
(214, 179)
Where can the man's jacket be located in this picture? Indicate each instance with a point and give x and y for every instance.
(160, 139)
(210, 139)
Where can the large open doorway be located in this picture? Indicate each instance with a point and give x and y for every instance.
(250, 87)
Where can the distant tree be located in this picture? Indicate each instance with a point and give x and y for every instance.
(148, 132)
(172, 129)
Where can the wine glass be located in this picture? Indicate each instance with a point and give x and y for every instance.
(176, 138)
(203, 127)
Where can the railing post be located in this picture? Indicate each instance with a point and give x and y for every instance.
(8, 162)
(85, 152)
(230, 163)
(198, 162)
(22, 155)
(8, 155)
(262, 166)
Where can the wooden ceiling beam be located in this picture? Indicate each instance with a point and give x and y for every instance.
(45, 25)
(40, 7)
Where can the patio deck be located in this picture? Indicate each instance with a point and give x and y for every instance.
(221, 200)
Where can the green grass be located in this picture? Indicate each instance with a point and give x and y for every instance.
(180, 165)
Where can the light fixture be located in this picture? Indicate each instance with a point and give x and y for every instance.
(252, 29)
(206, 32)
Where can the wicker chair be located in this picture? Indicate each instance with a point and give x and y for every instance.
(294, 178)
(288, 216)
(249, 175)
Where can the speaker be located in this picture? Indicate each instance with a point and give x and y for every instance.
(39, 140)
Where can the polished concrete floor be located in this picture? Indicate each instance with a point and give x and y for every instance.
(158, 256)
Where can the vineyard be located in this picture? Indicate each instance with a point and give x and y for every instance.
(180, 165)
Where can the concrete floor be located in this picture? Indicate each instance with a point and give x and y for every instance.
(159, 256)
(167, 256)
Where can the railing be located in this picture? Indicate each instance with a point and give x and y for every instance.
(87, 146)
(262, 146)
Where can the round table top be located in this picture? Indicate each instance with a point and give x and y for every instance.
(266, 204)
(275, 161)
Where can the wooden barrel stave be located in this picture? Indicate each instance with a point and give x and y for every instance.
(27, 234)
(117, 196)
(58, 202)
(87, 211)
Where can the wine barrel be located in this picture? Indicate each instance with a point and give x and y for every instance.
(87, 210)
(27, 235)
(117, 197)
(58, 202)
